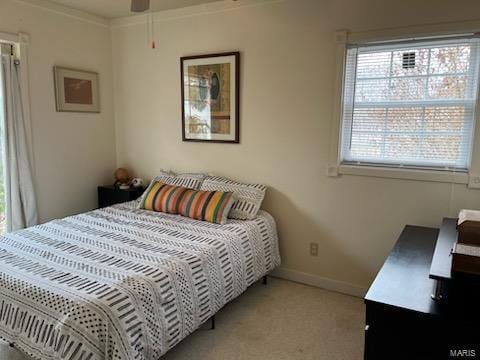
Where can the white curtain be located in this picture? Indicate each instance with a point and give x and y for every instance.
(20, 202)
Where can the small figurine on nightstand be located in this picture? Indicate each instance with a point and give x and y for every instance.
(137, 182)
(122, 178)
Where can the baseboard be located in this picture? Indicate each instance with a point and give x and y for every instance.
(317, 281)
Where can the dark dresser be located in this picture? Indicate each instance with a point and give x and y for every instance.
(110, 195)
(403, 321)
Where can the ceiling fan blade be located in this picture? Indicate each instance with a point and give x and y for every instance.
(140, 5)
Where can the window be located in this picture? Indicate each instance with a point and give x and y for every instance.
(410, 103)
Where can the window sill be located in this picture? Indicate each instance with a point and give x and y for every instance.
(404, 174)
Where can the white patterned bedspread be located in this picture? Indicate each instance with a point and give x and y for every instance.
(123, 283)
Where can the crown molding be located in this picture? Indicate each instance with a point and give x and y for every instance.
(191, 11)
(158, 16)
(66, 11)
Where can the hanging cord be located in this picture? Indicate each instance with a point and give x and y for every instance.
(152, 22)
(151, 30)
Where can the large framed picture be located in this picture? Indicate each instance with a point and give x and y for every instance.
(210, 97)
(76, 90)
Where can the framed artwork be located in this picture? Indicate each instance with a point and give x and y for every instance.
(76, 90)
(210, 97)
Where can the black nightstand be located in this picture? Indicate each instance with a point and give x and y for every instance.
(110, 195)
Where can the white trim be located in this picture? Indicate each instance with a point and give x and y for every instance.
(404, 174)
(320, 282)
(186, 12)
(67, 11)
(9, 38)
(340, 39)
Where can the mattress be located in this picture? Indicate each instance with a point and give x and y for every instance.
(123, 283)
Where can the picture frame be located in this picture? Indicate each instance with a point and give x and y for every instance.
(210, 92)
(76, 90)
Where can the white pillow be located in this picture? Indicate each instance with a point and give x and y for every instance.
(192, 181)
(248, 197)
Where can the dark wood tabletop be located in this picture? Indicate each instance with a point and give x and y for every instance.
(404, 280)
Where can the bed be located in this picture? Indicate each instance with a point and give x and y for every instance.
(123, 283)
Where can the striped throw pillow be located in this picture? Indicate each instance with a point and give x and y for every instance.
(192, 181)
(249, 197)
(211, 206)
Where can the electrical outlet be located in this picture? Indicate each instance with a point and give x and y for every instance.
(313, 249)
(474, 181)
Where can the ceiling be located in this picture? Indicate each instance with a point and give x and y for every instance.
(118, 8)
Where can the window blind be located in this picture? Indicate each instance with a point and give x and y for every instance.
(410, 103)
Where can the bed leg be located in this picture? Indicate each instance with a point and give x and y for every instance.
(212, 319)
(264, 280)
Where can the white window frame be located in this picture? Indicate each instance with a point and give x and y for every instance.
(342, 38)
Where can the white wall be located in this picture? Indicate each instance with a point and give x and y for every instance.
(287, 89)
(73, 153)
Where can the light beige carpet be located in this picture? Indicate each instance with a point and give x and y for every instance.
(280, 321)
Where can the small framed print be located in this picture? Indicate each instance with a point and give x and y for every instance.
(210, 97)
(76, 90)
